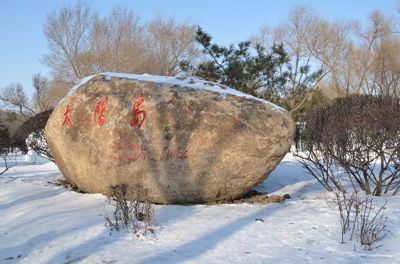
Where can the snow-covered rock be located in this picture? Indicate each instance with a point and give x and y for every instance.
(182, 140)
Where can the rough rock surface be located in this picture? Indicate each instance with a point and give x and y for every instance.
(180, 140)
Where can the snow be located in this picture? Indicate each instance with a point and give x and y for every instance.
(33, 158)
(44, 223)
(186, 82)
(81, 82)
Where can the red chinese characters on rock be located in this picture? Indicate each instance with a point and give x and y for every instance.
(128, 147)
(99, 115)
(139, 152)
(179, 153)
(137, 112)
(129, 152)
(128, 157)
(67, 120)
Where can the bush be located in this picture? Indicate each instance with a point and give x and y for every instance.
(129, 215)
(5, 144)
(361, 218)
(34, 128)
(357, 137)
(373, 224)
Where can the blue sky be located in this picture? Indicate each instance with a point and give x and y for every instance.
(23, 44)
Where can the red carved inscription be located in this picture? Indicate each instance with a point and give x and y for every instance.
(128, 152)
(99, 115)
(67, 120)
(179, 153)
(128, 147)
(137, 112)
(136, 152)
(130, 157)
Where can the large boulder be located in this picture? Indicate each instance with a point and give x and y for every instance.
(179, 140)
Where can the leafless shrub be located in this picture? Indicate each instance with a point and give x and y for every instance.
(129, 215)
(7, 163)
(373, 224)
(322, 167)
(123, 210)
(345, 203)
(360, 218)
(358, 137)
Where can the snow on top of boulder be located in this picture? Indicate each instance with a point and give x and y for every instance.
(81, 82)
(186, 82)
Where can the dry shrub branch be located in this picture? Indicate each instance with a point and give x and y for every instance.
(130, 215)
(361, 218)
(4, 154)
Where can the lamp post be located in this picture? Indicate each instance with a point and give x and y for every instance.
(300, 126)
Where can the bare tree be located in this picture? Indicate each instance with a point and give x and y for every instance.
(57, 90)
(19, 128)
(386, 73)
(82, 43)
(357, 60)
(40, 97)
(304, 70)
(352, 59)
(13, 96)
(67, 32)
(294, 34)
(117, 43)
(170, 43)
(330, 44)
(379, 65)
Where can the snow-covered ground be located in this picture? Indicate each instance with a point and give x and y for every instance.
(44, 223)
